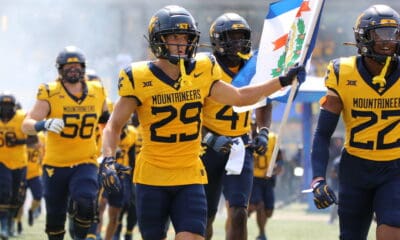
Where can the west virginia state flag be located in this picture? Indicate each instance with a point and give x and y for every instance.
(288, 37)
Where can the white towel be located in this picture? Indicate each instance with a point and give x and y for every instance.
(235, 162)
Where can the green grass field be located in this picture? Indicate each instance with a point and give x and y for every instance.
(289, 223)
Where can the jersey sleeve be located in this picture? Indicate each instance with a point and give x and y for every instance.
(126, 85)
(216, 71)
(331, 78)
(43, 92)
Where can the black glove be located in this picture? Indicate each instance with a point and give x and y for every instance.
(261, 141)
(12, 141)
(323, 195)
(294, 71)
(109, 175)
(122, 170)
(118, 154)
(219, 143)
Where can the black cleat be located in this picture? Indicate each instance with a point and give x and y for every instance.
(19, 228)
(30, 217)
(128, 237)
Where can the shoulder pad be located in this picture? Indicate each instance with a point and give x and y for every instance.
(345, 65)
(49, 89)
(96, 84)
(205, 55)
(137, 66)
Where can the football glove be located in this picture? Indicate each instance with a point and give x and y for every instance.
(109, 176)
(260, 143)
(323, 195)
(219, 143)
(11, 140)
(121, 169)
(55, 125)
(290, 76)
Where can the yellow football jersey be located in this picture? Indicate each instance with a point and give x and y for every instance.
(170, 115)
(128, 140)
(110, 105)
(138, 140)
(220, 118)
(261, 163)
(99, 140)
(370, 112)
(76, 144)
(13, 157)
(35, 158)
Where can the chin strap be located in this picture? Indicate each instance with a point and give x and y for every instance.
(185, 79)
(244, 56)
(380, 79)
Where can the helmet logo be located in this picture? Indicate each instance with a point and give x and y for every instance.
(73, 60)
(183, 25)
(7, 99)
(389, 22)
(238, 26)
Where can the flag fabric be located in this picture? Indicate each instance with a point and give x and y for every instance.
(289, 35)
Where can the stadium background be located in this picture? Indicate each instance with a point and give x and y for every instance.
(111, 33)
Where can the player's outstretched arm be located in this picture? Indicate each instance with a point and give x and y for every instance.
(227, 94)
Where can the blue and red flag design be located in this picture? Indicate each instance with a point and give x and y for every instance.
(289, 35)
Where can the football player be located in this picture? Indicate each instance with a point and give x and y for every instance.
(36, 150)
(69, 109)
(13, 162)
(117, 201)
(262, 199)
(91, 75)
(230, 37)
(130, 209)
(168, 95)
(364, 89)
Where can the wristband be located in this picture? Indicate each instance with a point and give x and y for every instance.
(39, 126)
(316, 180)
(206, 137)
(284, 81)
(264, 129)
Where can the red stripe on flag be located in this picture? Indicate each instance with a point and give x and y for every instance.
(280, 42)
(305, 7)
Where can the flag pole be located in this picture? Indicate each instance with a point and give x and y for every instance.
(280, 131)
(288, 106)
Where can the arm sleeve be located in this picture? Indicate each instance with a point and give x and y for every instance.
(104, 117)
(132, 158)
(326, 125)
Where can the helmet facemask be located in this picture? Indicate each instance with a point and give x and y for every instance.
(72, 75)
(377, 33)
(234, 45)
(7, 107)
(162, 48)
(380, 43)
